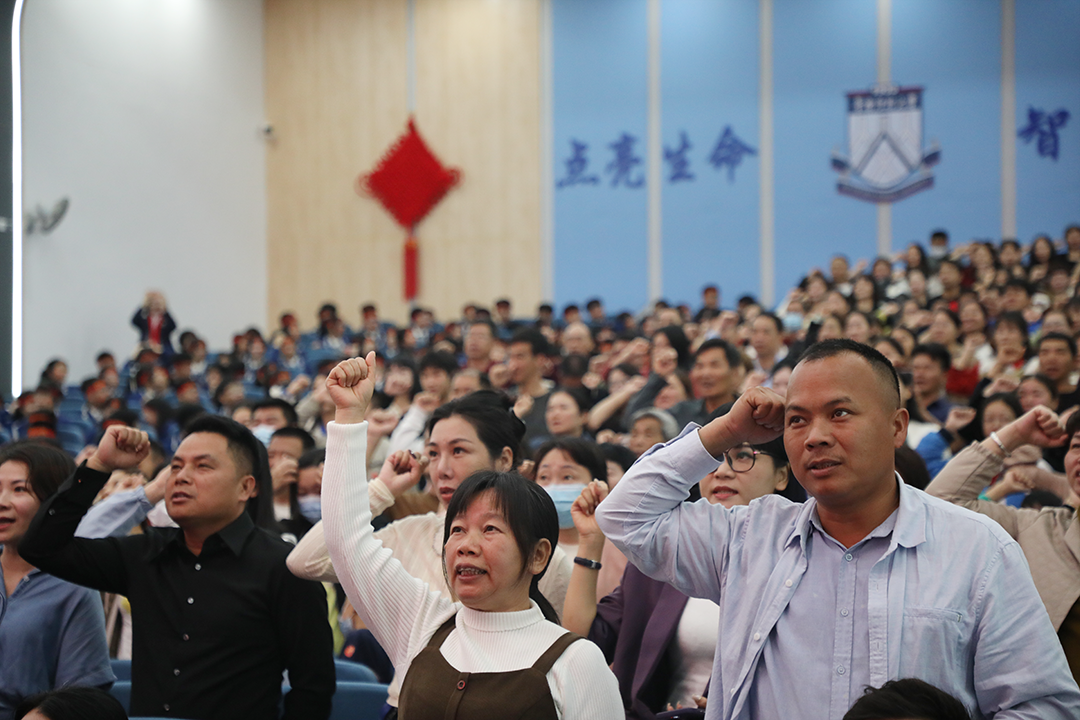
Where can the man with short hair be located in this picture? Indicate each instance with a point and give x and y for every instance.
(710, 304)
(273, 413)
(1057, 361)
(577, 339)
(217, 615)
(868, 581)
(525, 360)
(479, 341)
(930, 365)
(767, 339)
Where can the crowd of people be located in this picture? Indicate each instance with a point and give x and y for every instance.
(577, 514)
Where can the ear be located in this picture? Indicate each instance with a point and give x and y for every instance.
(900, 425)
(248, 488)
(539, 558)
(505, 461)
(782, 477)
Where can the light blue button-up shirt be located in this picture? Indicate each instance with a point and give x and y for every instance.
(947, 598)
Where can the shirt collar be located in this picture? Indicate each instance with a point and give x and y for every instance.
(231, 536)
(908, 521)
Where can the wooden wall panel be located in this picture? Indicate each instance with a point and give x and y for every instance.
(336, 97)
(336, 94)
(478, 100)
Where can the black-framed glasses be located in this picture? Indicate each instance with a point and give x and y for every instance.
(742, 458)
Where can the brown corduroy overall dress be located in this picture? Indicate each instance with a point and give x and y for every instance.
(434, 690)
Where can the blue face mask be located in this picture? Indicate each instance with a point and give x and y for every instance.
(564, 497)
(793, 322)
(311, 507)
(263, 433)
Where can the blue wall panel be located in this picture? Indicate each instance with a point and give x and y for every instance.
(600, 93)
(953, 50)
(822, 49)
(710, 77)
(1048, 79)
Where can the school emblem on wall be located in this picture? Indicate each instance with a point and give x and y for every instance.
(886, 161)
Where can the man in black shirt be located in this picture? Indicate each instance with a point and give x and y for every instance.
(217, 615)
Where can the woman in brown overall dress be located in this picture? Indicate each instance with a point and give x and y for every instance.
(495, 653)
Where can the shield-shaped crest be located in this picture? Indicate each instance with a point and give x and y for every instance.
(886, 160)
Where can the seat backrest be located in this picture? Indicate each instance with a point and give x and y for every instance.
(121, 668)
(121, 690)
(354, 672)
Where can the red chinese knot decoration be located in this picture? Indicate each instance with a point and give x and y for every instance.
(409, 181)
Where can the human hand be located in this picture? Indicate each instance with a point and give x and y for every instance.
(381, 423)
(756, 417)
(402, 470)
(665, 360)
(299, 384)
(426, 402)
(523, 405)
(120, 447)
(350, 385)
(583, 511)
(155, 489)
(1039, 426)
(1001, 384)
(607, 435)
(1018, 478)
(754, 379)
(285, 471)
(959, 416)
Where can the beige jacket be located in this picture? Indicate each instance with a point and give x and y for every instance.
(1050, 537)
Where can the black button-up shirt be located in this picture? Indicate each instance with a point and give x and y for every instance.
(212, 632)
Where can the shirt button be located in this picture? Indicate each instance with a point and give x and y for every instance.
(186, 636)
(166, 706)
(844, 612)
(788, 582)
(52, 511)
(848, 557)
(176, 671)
(198, 566)
(190, 601)
(757, 636)
(840, 670)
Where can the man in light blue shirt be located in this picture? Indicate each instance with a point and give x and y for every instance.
(868, 581)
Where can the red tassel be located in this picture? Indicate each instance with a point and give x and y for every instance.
(410, 268)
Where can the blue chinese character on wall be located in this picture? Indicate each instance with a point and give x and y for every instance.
(577, 167)
(1044, 126)
(729, 152)
(621, 168)
(678, 163)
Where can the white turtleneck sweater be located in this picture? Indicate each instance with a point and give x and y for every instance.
(403, 612)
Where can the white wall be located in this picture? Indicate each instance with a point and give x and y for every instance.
(146, 114)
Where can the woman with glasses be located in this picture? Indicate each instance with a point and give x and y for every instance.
(660, 643)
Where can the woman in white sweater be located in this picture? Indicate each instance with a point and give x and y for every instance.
(491, 654)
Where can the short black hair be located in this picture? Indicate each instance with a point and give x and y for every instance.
(438, 360)
(73, 703)
(621, 455)
(284, 406)
(1058, 336)
(47, 466)
(583, 452)
(250, 457)
(536, 340)
(936, 352)
(1020, 283)
(775, 319)
(907, 698)
(878, 362)
(311, 458)
(1050, 385)
(298, 433)
(734, 357)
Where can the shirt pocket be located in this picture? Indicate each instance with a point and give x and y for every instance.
(935, 639)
